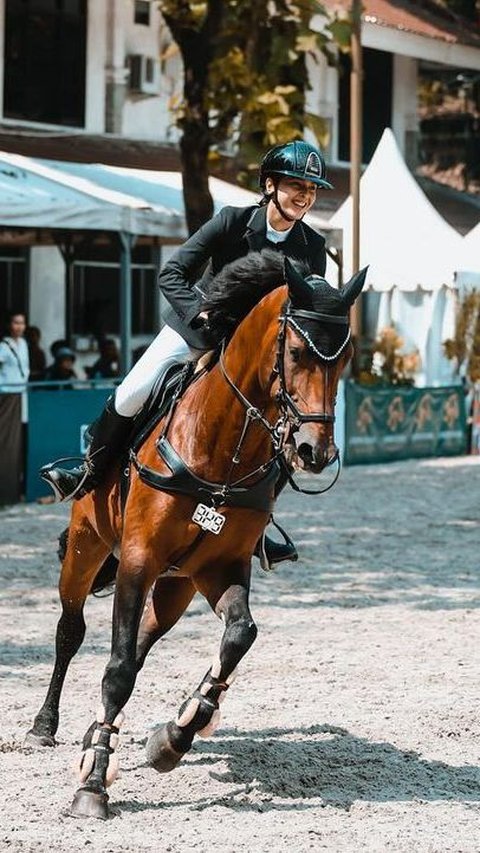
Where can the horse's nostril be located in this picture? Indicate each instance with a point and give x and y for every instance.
(305, 451)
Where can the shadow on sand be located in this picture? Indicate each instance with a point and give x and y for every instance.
(323, 763)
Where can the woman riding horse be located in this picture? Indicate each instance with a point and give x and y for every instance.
(199, 533)
(289, 177)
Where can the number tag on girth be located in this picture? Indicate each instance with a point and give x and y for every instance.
(208, 519)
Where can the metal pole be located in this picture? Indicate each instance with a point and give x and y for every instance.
(125, 301)
(67, 250)
(356, 138)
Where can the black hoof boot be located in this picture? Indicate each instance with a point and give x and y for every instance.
(88, 803)
(161, 752)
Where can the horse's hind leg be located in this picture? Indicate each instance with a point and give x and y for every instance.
(84, 553)
(200, 714)
(170, 599)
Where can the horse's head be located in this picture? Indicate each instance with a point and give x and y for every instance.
(314, 349)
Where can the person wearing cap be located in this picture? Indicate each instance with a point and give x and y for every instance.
(62, 368)
(289, 177)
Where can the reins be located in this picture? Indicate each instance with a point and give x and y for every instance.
(284, 424)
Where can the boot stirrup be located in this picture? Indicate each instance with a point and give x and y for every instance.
(47, 469)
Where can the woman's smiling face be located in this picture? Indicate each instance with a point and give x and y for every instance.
(295, 196)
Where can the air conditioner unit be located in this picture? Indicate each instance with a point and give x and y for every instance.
(144, 74)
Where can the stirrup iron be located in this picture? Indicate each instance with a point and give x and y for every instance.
(268, 564)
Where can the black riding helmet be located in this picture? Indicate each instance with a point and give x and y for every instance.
(297, 159)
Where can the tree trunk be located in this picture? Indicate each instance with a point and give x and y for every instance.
(197, 47)
(194, 147)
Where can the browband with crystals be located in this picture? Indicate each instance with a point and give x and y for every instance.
(317, 315)
(310, 343)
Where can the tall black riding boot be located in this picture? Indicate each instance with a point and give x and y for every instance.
(108, 438)
(270, 552)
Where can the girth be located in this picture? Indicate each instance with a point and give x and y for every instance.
(183, 481)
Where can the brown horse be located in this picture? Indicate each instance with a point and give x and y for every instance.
(180, 532)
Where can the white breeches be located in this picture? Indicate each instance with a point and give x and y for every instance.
(168, 348)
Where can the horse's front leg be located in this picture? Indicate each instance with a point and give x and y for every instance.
(98, 765)
(82, 552)
(200, 713)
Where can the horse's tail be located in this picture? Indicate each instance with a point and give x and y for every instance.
(106, 573)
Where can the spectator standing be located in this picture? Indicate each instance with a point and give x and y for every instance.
(38, 359)
(14, 372)
(14, 358)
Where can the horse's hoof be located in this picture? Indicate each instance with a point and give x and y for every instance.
(35, 740)
(160, 753)
(89, 804)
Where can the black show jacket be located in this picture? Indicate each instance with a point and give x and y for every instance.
(229, 235)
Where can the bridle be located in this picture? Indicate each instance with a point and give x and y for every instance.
(290, 417)
(290, 316)
(242, 491)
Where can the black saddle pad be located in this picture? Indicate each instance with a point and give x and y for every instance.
(173, 384)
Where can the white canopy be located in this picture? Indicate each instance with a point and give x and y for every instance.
(158, 189)
(82, 196)
(468, 272)
(36, 195)
(405, 240)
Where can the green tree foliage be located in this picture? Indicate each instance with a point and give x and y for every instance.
(244, 74)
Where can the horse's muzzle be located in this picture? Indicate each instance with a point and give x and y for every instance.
(315, 456)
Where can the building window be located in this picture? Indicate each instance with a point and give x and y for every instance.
(13, 283)
(142, 12)
(45, 61)
(95, 308)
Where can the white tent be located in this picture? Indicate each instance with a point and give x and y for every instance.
(412, 252)
(468, 271)
(402, 236)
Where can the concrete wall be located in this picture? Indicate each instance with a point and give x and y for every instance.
(404, 106)
(150, 116)
(95, 71)
(47, 294)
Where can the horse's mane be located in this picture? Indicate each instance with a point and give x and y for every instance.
(239, 286)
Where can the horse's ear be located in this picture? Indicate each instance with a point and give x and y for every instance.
(352, 289)
(299, 289)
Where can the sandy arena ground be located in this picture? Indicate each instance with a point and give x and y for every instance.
(354, 724)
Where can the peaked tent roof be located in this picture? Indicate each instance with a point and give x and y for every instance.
(402, 237)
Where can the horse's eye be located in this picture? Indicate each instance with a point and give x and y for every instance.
(295, 353)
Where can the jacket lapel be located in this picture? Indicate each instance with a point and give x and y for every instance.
(296, 243)
(255, 233)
